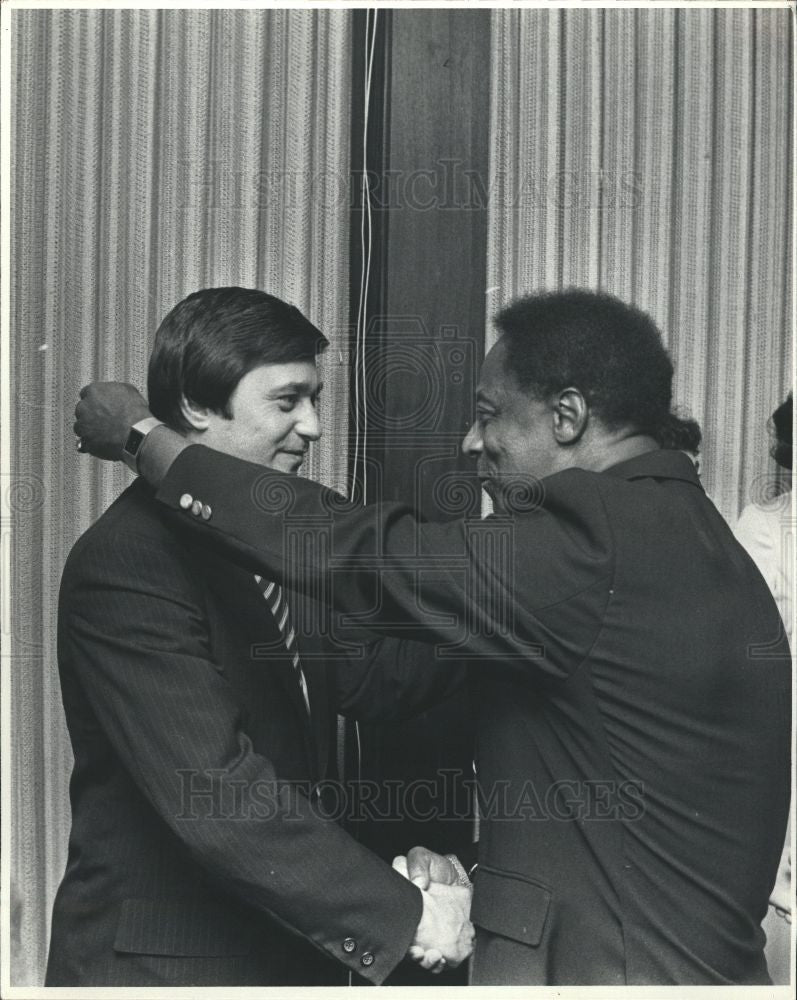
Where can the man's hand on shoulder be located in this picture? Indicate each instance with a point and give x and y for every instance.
(104, 415)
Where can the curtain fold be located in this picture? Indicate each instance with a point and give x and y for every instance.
(647, 153)
(155, 152)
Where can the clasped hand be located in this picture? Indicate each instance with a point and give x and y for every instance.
(444, 937)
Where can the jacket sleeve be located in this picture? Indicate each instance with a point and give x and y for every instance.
(393, 680)
(529, 592)
(134, 629)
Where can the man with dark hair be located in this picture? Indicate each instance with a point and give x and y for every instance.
(632, 681)
(610, 350)
(201, 717)
(213, 339)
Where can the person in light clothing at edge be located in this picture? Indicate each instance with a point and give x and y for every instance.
(766, 530)
(634, 714)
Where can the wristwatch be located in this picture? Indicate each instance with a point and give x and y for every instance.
(135, 439)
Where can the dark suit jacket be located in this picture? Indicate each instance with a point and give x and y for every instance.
(198, 855)
(632, 681)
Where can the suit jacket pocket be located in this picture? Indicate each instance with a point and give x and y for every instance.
(510, 904)
(185, 928)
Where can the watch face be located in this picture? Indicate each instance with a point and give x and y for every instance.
(133, 443)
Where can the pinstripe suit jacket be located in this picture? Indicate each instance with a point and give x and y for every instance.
(197, 855)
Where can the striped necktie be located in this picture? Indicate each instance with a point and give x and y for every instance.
(278, 606)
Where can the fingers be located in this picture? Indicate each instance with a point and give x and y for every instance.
(444, 936)
(433, 961)
(419, 866)
(426, 867)
(400, 865)
(430, 959)
(80, 407)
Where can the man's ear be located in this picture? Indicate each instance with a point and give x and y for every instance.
(197, 416)
(570, 416)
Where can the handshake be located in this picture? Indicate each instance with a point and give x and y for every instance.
(444, 937)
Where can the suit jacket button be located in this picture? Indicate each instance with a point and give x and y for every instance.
(196, 508)
(186, 500)
(349, 945)
(207, 512)
(367, 959)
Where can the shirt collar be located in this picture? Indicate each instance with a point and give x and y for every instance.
(662, 463)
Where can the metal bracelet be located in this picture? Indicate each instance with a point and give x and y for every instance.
(462, 875)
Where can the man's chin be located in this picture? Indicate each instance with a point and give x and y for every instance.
(488, 486)
(286, 462)
(495, 495)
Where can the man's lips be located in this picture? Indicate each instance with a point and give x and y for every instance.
(487, 485)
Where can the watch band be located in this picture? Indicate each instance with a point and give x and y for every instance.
(135, 439)
(462, 875)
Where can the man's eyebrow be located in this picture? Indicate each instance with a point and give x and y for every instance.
(299, 387)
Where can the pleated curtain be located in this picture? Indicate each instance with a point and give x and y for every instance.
(155, 153)
(644, 152)
(648, 153)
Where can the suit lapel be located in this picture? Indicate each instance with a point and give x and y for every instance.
(239, 591)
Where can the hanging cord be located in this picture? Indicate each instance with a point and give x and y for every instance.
(366, 233)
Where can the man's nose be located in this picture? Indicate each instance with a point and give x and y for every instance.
(472, 442)
(308, 424)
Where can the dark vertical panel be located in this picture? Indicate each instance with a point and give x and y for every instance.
(428, 152)
(432, 330)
